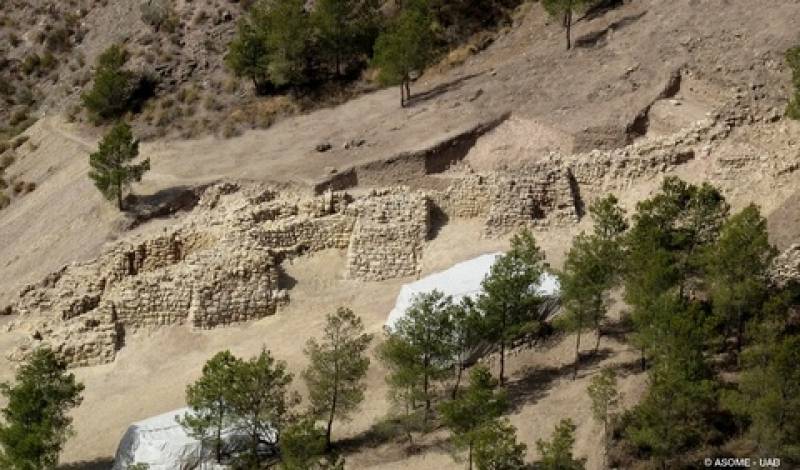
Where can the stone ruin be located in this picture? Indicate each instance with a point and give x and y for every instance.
(222, 263)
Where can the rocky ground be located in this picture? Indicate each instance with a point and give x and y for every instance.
(640, 74)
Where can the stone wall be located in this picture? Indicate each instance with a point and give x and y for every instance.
(221, 263)
(390, 231)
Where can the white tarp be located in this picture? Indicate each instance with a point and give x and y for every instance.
(163, 444)
(462, 280)
(160, 442)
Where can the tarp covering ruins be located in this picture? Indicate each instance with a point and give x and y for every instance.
(461, 280)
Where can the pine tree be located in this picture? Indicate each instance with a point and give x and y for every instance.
(419, 351)
(338, 365)
(590, 271)
(36, 421)
(467, 413)
(466, 336)
(260, 400)
(208, 398)
(405, 47)
(110, 169)
(248, 55)
(510, 303)
(344, 29)
(738, 265)
(769, 395)
(496, 447)
(271, 46)
(587, 276)
(557, 453)
(603, 392)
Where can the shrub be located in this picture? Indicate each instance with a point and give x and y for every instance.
(31, 63)
(160, 14)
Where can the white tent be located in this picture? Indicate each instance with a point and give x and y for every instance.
(163, 444)
(461, 280)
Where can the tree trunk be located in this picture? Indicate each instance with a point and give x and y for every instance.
(330, 424)
(577, 353)
(119, 197)
(425, 387)
(597, 330)
(643, 360)
(502, 361)
(568, 27)
(402, 95)
(460, 367)
(469, 452)
(218, 443)
(408, 89)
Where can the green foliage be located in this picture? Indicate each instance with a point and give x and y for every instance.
(793, 59)
(557, 454)
(111, 169)
(260, 399)
(769, 396)
(603, 392)
(479, 405)
(665, 253)
(303, 447)
(671, 418)
(112, 94)
(272, 44)
(36, 421)
(405, 46)
(419, 350)
(737, 267)
(496, 447)
(345, 29)
(208, 398)
(338, 365)
(510, 303)
(467, 322)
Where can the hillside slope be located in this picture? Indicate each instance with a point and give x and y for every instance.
(642, 71)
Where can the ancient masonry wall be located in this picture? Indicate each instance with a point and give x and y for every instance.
(389, 234)
(222, 263)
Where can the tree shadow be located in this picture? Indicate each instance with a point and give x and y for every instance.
(439, 90)
(532, 384)
(596, 38)
(101, 463)
(163, 203)
(600, 9)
